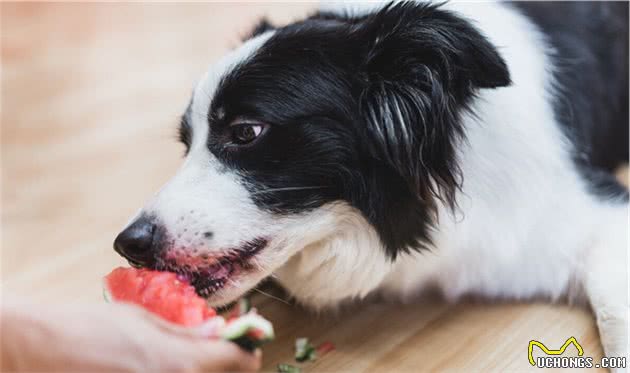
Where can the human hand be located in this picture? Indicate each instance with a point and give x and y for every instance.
(111, 337)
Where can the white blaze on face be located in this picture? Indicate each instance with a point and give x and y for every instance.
(205, 208)
(205, 90)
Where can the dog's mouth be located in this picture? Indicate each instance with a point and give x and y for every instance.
(210, 274)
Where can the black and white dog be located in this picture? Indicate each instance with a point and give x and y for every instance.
(386, 148)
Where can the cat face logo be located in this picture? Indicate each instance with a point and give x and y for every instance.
(547, 351)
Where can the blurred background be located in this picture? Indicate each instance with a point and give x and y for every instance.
(91, 97)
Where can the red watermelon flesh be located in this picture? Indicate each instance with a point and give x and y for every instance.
(162, 293)
(171, 297)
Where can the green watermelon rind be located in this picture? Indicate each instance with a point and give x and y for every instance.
(288, 368)
(242, 325)
(107, 295)
(304, 350)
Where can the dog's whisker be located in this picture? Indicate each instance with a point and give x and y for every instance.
(271, 296)
(271, 190)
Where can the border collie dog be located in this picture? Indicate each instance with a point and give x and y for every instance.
(387, 148)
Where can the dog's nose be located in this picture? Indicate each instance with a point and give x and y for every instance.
(137, 242)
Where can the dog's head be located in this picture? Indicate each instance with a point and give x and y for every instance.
(305, 126)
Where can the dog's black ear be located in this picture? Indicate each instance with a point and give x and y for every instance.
(408, 34)
(421, 66)
(263, 25)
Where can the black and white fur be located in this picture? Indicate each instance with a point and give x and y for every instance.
(461, 146)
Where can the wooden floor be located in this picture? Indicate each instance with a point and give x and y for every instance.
(91, 95)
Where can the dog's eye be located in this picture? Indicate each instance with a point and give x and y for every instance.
(246, 133)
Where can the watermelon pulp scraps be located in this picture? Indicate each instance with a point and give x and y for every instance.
(172, 298)
(305, 351)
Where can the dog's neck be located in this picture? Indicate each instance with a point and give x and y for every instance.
(347, 262)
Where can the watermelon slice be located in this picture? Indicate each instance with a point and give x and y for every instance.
(171, 297)
(304, 350)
